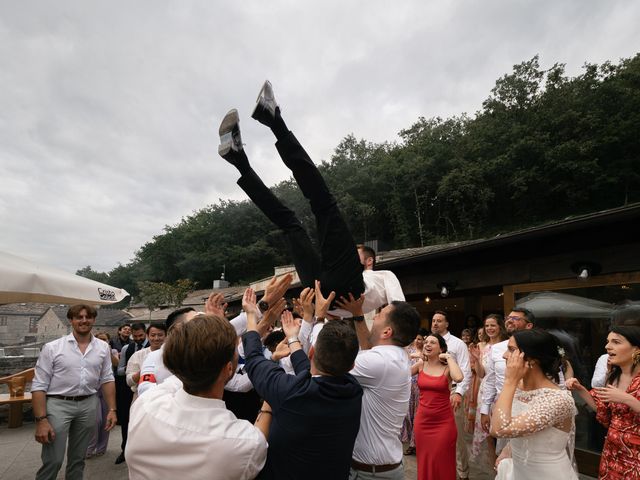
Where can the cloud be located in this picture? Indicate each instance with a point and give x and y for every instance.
(108, 125)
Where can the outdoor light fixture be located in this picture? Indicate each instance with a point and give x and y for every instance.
(427, 299)
(446, 288)
(585, 270)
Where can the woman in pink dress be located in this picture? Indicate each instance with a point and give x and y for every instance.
(434, 425)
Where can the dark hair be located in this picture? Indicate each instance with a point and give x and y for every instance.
(528, 314)
(75, 310)
(443, 313)
(139, 326)
(122, 326)
(540, 345)
(423, 332)
(197, 351)
(336, 348)
(368, 252)
(632, 334)
(159, 326)
(500, 321)
(441, 341)
(272, 340)
(173, 316)
(404, 320)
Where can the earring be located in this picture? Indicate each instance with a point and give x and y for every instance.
(529, 365)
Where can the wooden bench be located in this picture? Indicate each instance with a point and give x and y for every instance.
(17, 395)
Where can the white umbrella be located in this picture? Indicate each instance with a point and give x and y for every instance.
(554, 304)
(25, 281)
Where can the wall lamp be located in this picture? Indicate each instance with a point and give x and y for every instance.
(585, 270)
(446, 288)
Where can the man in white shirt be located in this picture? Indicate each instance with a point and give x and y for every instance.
(382, 368)
(460, 352)
(69, 372)
(181, 428)
(518, 319)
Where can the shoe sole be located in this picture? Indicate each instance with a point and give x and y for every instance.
(228, 122)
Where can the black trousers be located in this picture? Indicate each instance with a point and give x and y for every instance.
(124, 397)
(337, 265)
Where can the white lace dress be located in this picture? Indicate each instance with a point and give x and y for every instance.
(538, 436)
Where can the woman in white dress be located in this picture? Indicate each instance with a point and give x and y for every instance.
(533, 411)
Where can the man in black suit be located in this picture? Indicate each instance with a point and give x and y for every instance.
(316, 412)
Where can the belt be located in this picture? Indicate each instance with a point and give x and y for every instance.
(72, 399)
(363, 467)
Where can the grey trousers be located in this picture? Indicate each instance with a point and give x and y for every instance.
(462, 451)
(395, 474)
(76, 422)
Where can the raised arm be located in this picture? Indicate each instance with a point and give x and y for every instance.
(354, 306)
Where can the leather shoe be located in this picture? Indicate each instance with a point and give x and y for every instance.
(229, 131)
(120, 459)
(265, 109)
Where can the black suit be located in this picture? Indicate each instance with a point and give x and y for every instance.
(338, 266)
(315, 419)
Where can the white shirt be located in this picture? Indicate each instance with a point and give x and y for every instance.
(385, 377)
(154, 365)
(381, 287)
(135, 365)
(460, 352)
(599, 378)
(176, 435)
(62, 369)
(494, 376)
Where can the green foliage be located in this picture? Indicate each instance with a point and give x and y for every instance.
(543, 146)
(155, 294)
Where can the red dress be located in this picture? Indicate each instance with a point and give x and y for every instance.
(434, 429)
(621, 453)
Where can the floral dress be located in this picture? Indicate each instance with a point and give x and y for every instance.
(479, 435)
(621, 453)
(406, 436)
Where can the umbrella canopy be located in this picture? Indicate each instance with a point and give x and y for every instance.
(554, 304)
(25, 281)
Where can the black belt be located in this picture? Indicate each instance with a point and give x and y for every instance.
(72, 399)
(363, 467)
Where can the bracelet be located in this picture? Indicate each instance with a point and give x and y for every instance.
(358, 318)
(113, 409)
(293, 341)
(266, 411)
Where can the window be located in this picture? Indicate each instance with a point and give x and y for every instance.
(3, 321)
(33, 324)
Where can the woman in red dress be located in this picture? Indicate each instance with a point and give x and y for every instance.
(617, 405)
(434, 426)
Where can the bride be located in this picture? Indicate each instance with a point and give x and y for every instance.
(537, 415)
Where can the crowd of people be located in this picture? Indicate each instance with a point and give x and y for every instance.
(329, 384)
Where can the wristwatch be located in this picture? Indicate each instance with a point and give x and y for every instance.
(263, 306)
(39, 419)
(358, 318)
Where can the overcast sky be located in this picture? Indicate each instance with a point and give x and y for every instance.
(109, 111)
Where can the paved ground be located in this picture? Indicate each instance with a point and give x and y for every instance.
(20, 458)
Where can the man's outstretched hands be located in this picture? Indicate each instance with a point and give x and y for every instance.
(271, 315)
(352, 305)
(305, 302)
(322, 304)
(290, 325)
(215, 305)
(276, 288)
(249, 302)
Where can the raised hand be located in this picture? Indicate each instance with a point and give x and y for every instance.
(290, 326)
(322, 304)
(215, 305)
(516, 367)
(282, 350)
(276, 288)
(271, 315)
(574, 385)
(249, 302)
(306, 303)
(352, 305)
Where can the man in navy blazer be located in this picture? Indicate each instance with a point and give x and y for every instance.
(316, 412)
